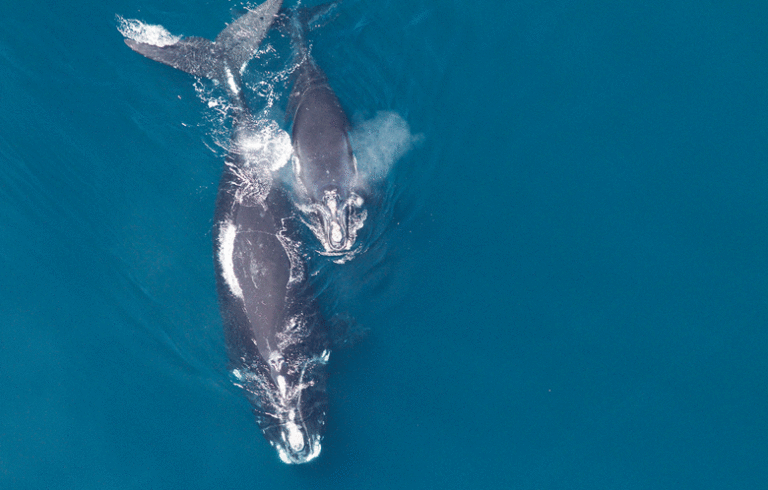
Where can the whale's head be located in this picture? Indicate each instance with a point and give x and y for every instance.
(336, 215)
(295, 422)
(331, 192)
(290, 405)
(297, 436)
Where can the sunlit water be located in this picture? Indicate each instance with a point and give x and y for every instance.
(562, 280)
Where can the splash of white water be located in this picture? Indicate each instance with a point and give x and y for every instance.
(137, 30)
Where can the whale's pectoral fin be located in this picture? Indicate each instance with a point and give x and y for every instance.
(194, 55)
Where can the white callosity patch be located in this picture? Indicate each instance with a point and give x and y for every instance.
(276, 361)
(318, 214)
(295, 438)
(379, 142)
(335, 232)
(227, 234)
(335, 226)
(145, 33)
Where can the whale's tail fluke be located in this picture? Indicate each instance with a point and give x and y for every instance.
(297, 21)
(194, 55)
(222, 60)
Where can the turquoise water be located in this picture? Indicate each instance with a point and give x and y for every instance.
(568, 286)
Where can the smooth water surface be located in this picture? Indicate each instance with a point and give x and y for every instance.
(566, 282)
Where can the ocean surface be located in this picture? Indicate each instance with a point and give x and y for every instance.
(565, 285)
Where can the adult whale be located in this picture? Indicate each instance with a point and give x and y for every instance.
(324, 165)
(276, 337)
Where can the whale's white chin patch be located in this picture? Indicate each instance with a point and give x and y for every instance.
(140, 32)
(295, 439)
(226, 238)
(287, 458)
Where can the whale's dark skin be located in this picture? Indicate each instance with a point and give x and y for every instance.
(325, 165)
(276, 336)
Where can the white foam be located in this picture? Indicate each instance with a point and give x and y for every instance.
(379, 142)
(145, 33)
(269, 145)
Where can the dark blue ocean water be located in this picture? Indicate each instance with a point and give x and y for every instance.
(570, 288)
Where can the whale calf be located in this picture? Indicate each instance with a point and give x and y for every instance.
(324, 164)
(276, 337)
